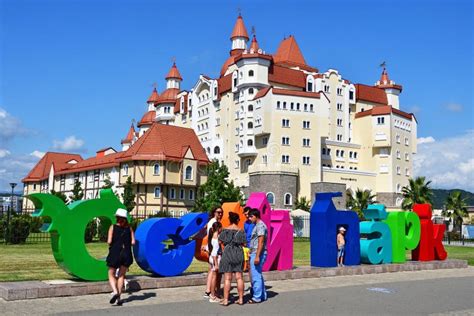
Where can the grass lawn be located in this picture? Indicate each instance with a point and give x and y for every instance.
(35, 261)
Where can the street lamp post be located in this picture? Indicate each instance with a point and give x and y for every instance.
(13, 185)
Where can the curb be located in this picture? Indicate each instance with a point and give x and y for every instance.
(12, 291)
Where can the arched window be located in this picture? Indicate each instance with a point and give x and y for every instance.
(399, 188)
(189, 173)
(250, 142)
(157, 192)
(217, 150)
(208, 150)
(271, 198)
(250, 73)
(250, 108)
(250, 125)
(250, 90)
(288, 199)
(156, 169)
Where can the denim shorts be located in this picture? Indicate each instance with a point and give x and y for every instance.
(340, 252)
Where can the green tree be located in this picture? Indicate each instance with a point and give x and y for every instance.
(217, 189)
(417, 192)
(77, 193)
(128, 196)
(359, 201)
(60, 195)
(302, 204)
(108, 184)
(455, 209)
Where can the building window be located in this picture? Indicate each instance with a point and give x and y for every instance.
(284, 105)
(217, 150)
(306, 160)
(326, 88)
(264, 159)
(34, 187)
(265, 141)
(306, 124)
(339, 106)
(250, 108)
(189, 173)
(285, 123)
(407, 156)
(297, 106)
(398, 154)
(355, 155)
(323, 151)
(339, 91)
(250, 73)
(351, 95)
(407, 172)
(406, 141)
(271, 198)
(380, 120)
(156, 169)
(399, 188)
(311, 108)
(398, 170)
(339, 137)
(339, 122)
(278, 105)
(285, 159)
(250, 125)
(342, 153)
(249, 142)
(398, 138)
(288, 199)
(306, 142)
(191, 194)
(306, 107)
(125, 170)
(181, 194)
(285, 141)
(309, 87)
(172, 194)
(157, 192)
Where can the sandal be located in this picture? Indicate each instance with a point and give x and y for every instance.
(223, 303)
(251, 301)
(240, 302)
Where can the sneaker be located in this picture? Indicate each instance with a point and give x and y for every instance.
(213, 299)
(119, 302)
(114, 298)
(207, 295)
(126, 285)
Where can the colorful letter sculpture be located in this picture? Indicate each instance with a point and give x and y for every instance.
(431, 241)
(377, 248)
(405, 228)
(67, 228)
(324, 223)
(280, 233)
(153, 256)
(201, 238)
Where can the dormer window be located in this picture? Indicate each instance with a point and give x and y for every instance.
(250, 73)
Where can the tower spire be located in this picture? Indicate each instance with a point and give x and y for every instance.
(239, 37)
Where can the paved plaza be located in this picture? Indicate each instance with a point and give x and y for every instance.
(448, 291)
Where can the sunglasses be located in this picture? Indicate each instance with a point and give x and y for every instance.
(220, 212)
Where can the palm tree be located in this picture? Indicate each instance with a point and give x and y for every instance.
(360, 201)
(302, 204)
(455, 209)
(418, 191)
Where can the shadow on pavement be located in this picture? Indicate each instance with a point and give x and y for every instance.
(141, 297)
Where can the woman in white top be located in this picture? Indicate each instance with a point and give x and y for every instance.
(216, 216)
(214, 258)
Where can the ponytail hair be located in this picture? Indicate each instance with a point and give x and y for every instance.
(215, 227)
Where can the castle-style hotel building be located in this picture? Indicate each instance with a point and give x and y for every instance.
(280, 125)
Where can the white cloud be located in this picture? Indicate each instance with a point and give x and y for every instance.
(37, 154)
(10, 127)
(13, 168)
(4, 152)
(448, 163)
(454, 107)
(71, 143)
(415, 109)
(425, 140)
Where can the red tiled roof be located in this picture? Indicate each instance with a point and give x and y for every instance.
(253, 55)
(262, 92)
(371, 94)
(289, 53)
(386, 83)
(286, 76)
(384, 110)
(177, 105)
(239, 29)
(131, 134)
(93, 163)
(254, 44)
(148, 118)
(298, 93)
(168, 96)
(227, 63)
(58, 160)
(166, 142)
(224, 84)
(153, 97)
(174, 73)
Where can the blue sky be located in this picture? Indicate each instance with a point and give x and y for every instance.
(73, 74)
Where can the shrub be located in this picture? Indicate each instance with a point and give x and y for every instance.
(103, 228)
(161, 214)
(36, 224)
(91, 231)
(19, 229)
(453, 235)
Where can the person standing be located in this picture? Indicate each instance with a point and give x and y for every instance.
(214, 258)
(216, 216)
(248, 228)
(341, 246)
(120, 239)
(233, 239)
(258, 256)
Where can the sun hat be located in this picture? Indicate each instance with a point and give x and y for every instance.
(342, 229)
(121, 213)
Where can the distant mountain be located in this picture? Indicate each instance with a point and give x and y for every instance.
(440, 195)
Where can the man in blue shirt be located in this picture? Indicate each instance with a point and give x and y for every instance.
(258, 256)
(248, 225)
